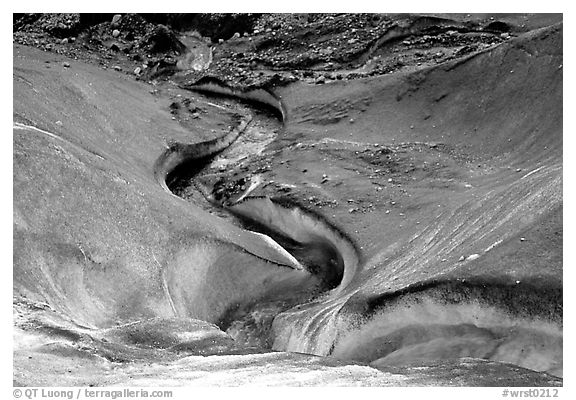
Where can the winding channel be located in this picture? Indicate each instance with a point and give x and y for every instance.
(324, 250)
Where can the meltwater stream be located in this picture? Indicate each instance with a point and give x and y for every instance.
(319, 247)
(440, 321)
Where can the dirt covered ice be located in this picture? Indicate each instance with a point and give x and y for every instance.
(245, 198)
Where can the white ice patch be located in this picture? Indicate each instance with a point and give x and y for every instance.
(496, 243)
(18, 125)
(532, 172)
(272, 243)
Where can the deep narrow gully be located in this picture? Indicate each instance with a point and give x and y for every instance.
(321, 248)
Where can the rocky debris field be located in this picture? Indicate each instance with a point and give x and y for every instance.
(126, 43)
(268, 49)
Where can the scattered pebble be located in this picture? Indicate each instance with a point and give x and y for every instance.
(115, 33)
(116, 19)
(66, 64)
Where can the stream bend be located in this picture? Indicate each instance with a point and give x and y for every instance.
(325, 251)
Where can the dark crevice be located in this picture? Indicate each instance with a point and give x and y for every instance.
(182, 176)
(319, 257)
(518, 299)
(259, 97)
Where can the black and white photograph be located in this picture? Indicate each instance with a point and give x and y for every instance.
(320, 199)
